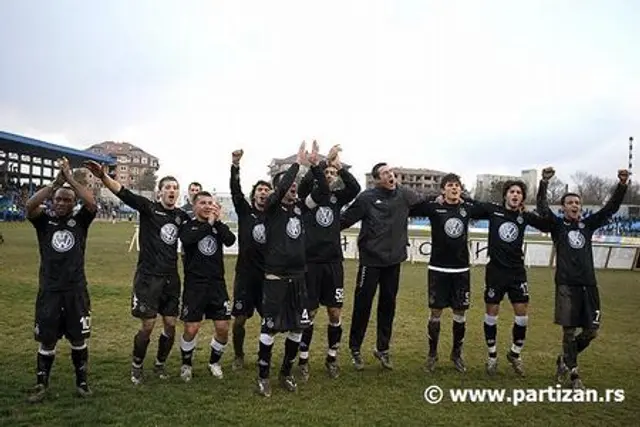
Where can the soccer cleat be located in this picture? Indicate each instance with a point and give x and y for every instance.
(136, 374)
(288, 382)
(238, 363)
(332, 369)
(216, 370)
(431, 363)
(357, 360)
(186, 373)
(576, 384)
(83, 390)
(263, 388)
(561, 370)
(37, 394)
(458, 361)
(492, 366)
(384, 358)
(304, 371)
(516, 364)
(160, 371)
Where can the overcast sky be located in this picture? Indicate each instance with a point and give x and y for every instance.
(465, 86)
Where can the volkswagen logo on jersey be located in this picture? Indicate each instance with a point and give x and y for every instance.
(454, 227)
(169, 233)
(208, 246)
(294, 228)
(324, 216)
(258, 233)
(508, 232)
(62, 241)
(576, 239)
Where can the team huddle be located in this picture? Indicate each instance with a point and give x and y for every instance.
(290, 262)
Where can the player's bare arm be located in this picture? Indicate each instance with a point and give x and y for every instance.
(81, 191)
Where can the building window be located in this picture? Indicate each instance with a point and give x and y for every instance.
(123, 168)
(145, 160)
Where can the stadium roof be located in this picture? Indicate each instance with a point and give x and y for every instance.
(10, 142)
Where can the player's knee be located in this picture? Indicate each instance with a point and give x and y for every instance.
(493, 309)
(436, 313)
(521, 320)
(78, 344)
(568, 334)
(520, 309)
(267, 339)
(147, 327)
(47, 348)
(459, 317)
(191, 330)
(490, 320)
(294, 336)
(239, 321)
(222, 329)
(334, 315)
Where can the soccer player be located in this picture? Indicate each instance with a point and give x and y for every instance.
(194, 188)
(382, 246)
(448, 271)
(205, 291)
(247, 287)
(505, 272)
(284, 290)
(156, 287)
(63, 306)
(325, 273)
(577, 297)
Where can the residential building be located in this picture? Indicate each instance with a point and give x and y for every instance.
(420, 180)
(484, 183)
(281, 165)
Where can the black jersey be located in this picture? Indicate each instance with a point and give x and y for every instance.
(449, 232)
(322, 220)
(252, 235)
(506, 234)
(572, 239)
(286, 246)
(62, 243)
(203, 251)
(159, 228)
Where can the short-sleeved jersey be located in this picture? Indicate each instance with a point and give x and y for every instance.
(203, 251)
(252, 236)
(449, 232)
(159, 229)
(506, 234)
(62, 243)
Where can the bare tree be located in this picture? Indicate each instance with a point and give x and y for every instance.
(633, 194)
(593, 189)
(147, 181)
(555, 190)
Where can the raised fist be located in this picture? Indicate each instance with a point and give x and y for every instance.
(623, 176)
(548, 173)
(236, 156)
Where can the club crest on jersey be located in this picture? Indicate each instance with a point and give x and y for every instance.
(238, 305)
(581, 225)
(491, 293)
(169, 233)
(258, 233)
(294, 228)
(454, 227)
(576, 239)
(333, 199)
(463, 212)
(178, 220)
(520, 219)
(324, 216)
(208, 246)
(297, 211)
(62, 241)
(71, 222)
(508, 232)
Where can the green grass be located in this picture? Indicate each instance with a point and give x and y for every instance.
(372, 397)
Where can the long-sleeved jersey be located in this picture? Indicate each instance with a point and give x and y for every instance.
(203, 251)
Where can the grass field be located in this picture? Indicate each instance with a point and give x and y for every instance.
(372, 397)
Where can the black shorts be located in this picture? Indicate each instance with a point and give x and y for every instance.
(153, 295)
(205, 301)
(62, 314)
(449, 290)
(578, 307)
(284, 305)
(499, 281)
(325, 285)
(247, 293)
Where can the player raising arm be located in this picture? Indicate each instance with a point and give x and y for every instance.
(156, 287)
(577, 297)
(63, 307)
